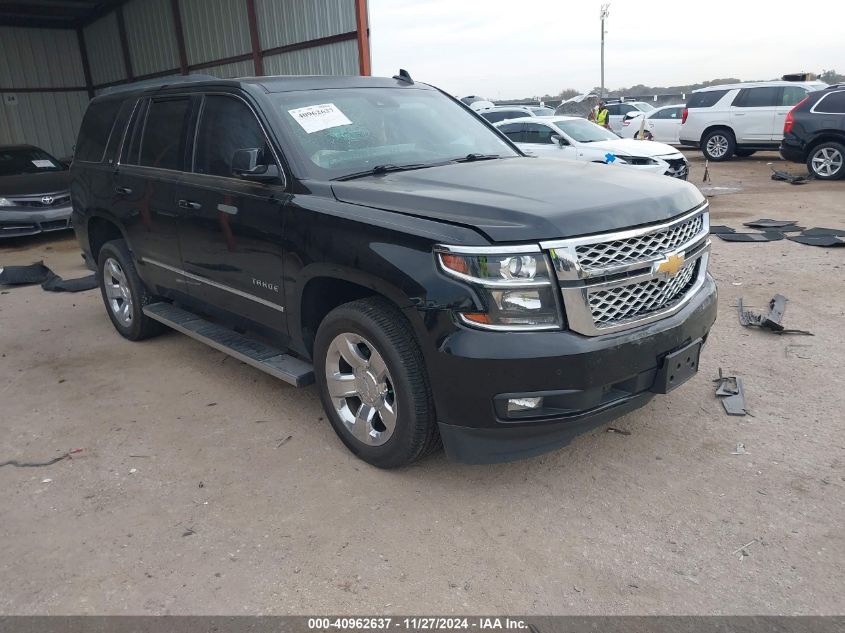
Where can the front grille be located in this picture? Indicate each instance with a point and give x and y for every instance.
(678, 168)
(641, 248)
(623, 303)
(614, 281)
(37, 203)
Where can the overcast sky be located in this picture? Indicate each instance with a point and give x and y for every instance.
(508, 48)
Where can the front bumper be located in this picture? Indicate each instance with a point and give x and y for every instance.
(588, 381)
(16, 223)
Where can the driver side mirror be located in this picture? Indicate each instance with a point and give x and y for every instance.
(247, 164)
(557, 138)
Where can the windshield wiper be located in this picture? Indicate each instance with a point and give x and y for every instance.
(383, 169)
(469, 158)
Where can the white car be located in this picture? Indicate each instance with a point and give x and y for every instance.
(503, 113)
(617, 112)
(574, 138)
(741, 118)
(661, 124)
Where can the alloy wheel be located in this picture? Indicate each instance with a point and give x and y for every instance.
(117, 291)
(361, 389)
(827, 162)
(717, 146)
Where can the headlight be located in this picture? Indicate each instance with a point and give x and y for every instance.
(516, 285)
(5, 202)
(636, 160)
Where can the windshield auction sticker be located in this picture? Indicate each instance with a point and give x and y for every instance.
(319, 117)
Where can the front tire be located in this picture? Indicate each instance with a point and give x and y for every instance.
(373, 383)
(718, 145)
(124, 293)
(827, 161)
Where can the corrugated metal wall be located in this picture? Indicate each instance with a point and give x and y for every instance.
(213, 31)
(151, 35)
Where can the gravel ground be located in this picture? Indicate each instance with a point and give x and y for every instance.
(186, 498)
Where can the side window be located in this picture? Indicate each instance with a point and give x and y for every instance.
(792, 95)
(95, 130)
(132, 145)
(612, 109)
(513, 131)
(758, 97)
(226, 125)
(536, 133)
(833, 103)
(163, 140)
(705, 99)
(494, 117)
(119, 130)
(624, 108)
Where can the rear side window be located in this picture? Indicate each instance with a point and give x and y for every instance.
(758, 97)
(705, 99)
(833, 103)
(95, 130)
(501, 115)
(537, 133)
(226, 125)
(163, 141)
(512, 130)
(792, 95)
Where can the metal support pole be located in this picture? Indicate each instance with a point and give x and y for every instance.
(605, 10)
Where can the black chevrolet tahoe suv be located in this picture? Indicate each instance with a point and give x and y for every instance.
(814, 133)
(377, 237)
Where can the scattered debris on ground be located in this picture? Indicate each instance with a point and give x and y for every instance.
(717, 229)
(49, 462)
(740, 449)
(766, 236)
(770, 321)
(792, 179)
(767, 223)
(38, 273)
(775, 230)
(732, 393)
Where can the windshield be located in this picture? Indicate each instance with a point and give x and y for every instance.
(340, 132)
(542, 111)
(583, 131)
(643, 107)
(26, 160)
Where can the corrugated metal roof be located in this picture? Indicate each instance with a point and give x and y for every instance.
(214, 29)
(105, 56)
(340, 58)
(152, 36)
(283, 22)
(49, 120)
(39, 58)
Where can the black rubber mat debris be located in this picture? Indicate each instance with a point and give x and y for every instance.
(732, 393)
(771, 321)
(817, 230)
(767, 236)
(38, 273)
(766, 223)
(792, 179)
(49, 462)
(718, 229)
(817, 240)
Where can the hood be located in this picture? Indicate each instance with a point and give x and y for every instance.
(35, 184)
(526, 199)
(632, 147)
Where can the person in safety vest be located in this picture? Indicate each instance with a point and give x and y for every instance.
(603, 115)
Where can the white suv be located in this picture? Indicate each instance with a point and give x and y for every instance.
(740, 118)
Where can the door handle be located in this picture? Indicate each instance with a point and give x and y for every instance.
(122, 191)
(189, 204)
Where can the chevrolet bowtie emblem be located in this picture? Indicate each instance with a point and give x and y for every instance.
(670, 266)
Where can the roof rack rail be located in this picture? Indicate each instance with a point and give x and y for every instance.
(158, 81)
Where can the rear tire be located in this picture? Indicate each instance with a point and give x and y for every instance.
(373, 383)
(827, 161)
(124, 294)
(718, 145)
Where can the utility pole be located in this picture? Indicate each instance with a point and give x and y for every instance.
(605, 11)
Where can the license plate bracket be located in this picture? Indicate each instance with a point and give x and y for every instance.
(677, 367)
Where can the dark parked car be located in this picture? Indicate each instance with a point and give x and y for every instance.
(814, 133)
(34, 191)
(378, 237)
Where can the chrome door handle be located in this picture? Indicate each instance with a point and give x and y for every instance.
(122, 191)
(189, 204)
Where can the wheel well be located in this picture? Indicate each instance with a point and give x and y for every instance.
(713, 128)
(101, 231)
(825, 138)
(322, 295)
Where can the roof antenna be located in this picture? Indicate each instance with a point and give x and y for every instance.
(403, 75)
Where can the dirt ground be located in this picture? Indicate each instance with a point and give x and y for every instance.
(186, 498)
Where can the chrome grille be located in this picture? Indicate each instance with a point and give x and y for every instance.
(643, 247)
(622, 303)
